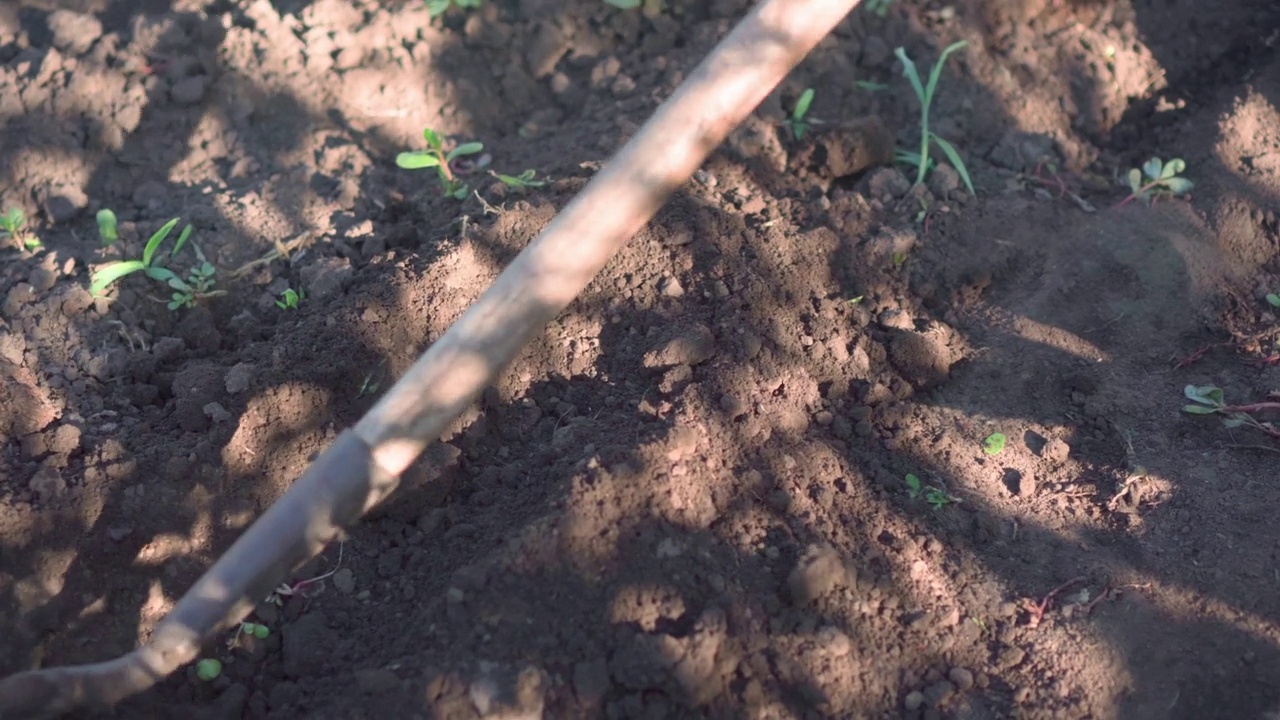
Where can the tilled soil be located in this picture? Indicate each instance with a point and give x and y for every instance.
(744, 475)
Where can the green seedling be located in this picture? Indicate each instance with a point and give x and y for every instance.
(1210, 400)
(870, 86)
(913, 486)
(199, 283)
(935, 496)
(1273, 300)
(12, 222)
(879, 7)
(994, 443)
(436, 8)
(256, 630)
(925, 94)
(1157, 179)
(13, 225)
(796, 123)
(899, 259)
(855, 300)
(107, 227)
(104, 276)
(208, 669)
(436, 157)
(290, 298)
(523, 181)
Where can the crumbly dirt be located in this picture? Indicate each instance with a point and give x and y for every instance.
(689, 497)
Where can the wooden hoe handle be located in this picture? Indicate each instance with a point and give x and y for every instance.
(364, 464)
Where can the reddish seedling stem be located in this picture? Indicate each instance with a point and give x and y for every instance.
(1038, 609)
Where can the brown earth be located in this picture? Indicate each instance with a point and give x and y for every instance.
(688, 498)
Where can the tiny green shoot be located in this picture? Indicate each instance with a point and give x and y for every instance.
(13, 225)
(925, 94)
(107, 227)
(994, 443)
(870, 86)
(1273, 300)
(436, 157)
(913, 486)
(522, 181)
(936, 497)
(290, 298)
(257, 630)
(899, 259)
(208, 669)
(855, 300)
(1157, 179)
(796, 123)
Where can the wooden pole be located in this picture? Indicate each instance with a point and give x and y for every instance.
(364, 464)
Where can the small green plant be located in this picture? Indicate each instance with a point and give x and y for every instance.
(107, 227)
(879, 7)
(256, 630)
(1157, 179)
(199, 283)
(1273, 300)
(1210, 400)
(796, 123)
(13, 224)
(208, 669)
(913, 486)
(523, 181)
(290, 298)
(436, 157)
(104, 276)
(436, 8)
(899, 259)
(936, 497)
(869, 86)
(925, 94)
(994, 443)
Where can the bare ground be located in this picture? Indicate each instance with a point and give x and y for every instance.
(689, 497)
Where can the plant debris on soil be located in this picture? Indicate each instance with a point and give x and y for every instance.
(689, 496)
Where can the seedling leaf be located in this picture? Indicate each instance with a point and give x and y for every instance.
(112, 272)
(624, 4)
(416, 160)
(208, 669)
(182, 240)
(950, 151)
(1205, 395)
(1177, 185)
(994, 443)
(802, 105)
(1152, 167)
(1135, 180)
(149, 251)
(1273, 299)
(107, 226)
(470, 148)
(913, 486)
(1199, 409)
